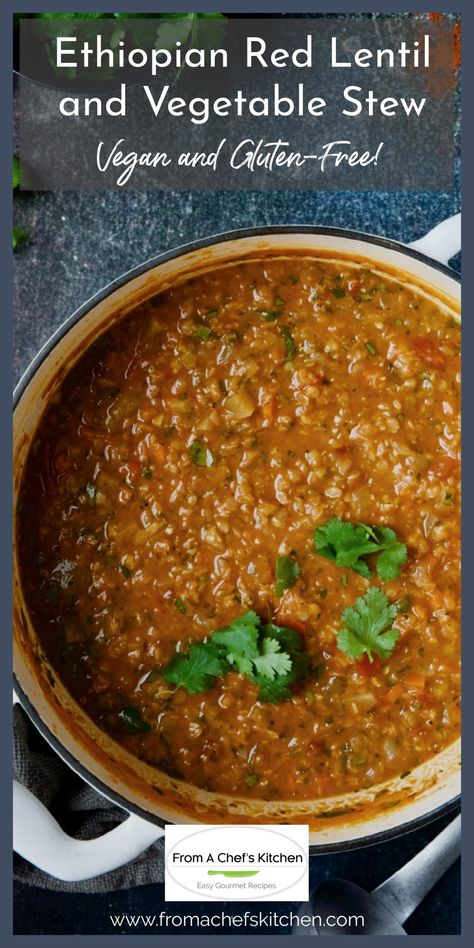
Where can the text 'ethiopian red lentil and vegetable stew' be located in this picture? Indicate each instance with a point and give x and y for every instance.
(239, 529)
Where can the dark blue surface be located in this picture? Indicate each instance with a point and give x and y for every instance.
(79, 242)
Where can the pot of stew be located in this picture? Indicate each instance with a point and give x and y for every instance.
(237, 541)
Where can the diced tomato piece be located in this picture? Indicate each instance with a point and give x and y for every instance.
(428, 350)
(133, 468)
(366, 667)
(317, 745)
(297, 626)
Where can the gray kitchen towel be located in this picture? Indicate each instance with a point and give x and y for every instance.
(80, 811)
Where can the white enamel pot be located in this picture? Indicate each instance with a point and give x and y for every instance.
(151, 797)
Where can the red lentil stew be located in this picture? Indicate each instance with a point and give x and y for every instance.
(239, 529)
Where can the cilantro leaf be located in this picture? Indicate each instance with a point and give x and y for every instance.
(287, 571)
(368, 626)
(393, 556)
(279, 688)
(272, 661)
(345, 544)
(239, 642)
(196, 670)
(273, 691)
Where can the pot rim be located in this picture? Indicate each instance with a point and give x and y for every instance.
(119, 800)
(73, 762)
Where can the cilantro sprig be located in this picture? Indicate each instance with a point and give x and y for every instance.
(271, 656)
(347, 544)
(368, 626)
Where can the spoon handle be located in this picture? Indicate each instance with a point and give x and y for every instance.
(404, 891)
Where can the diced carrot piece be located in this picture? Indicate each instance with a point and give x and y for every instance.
(415, 682)
(269, 408)
(157, 453)
(395, 692)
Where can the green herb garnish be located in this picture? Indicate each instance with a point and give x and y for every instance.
(368, 626)
(133, 721)
(346, 544)
(404, 605)
(197, 669)
(271, 656)
(371, 349)
(270, 314)
(204, 332)
(181, 605)
(201, 455)
(91, 492)
(339, 291)
(291, 348)
(287, 570)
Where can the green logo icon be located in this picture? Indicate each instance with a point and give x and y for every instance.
(233, 873)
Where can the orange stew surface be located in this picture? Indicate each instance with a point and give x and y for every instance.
(206, 434)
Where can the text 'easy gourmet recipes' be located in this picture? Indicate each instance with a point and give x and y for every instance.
(239, 529)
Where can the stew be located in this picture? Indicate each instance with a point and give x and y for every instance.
(268, 451)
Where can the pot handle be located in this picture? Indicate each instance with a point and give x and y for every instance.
(442, 242)
(39, 839)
